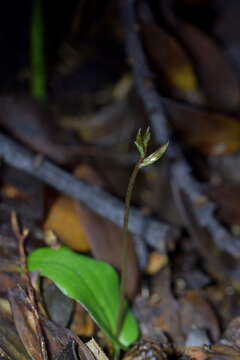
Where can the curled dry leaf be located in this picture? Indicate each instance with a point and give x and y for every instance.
(10, 343)
(56, 336)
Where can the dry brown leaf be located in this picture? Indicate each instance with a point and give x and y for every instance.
(159, 313)
(82, 324)
(227, 198)
(105, 239)
(63, 219)
(218, 80)
(209, 133)
(195, 311)
(172, 63)
(56, 336)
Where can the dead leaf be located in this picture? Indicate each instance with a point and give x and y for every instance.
(195, 311)
(227, 199)
(10, 343)
(63, 219)
(69, 352)
(209, 133)
(104, 237)
(159, 313)
(56, 336)
(173, 65)
(217, 78)
(26, 326)
(82, 324)
(106, 245)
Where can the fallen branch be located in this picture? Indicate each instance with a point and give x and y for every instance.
(157, 234)
(143, 77)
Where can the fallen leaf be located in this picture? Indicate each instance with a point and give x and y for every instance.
(56, 336)
(173, 65)
(105, 239)
(82, 324)
(158, 314)
(209, 133)
(227, 199)
(69, 352)
(10, 343)
(63, 219)
(195, 311)
(216, 76)
(25, 323)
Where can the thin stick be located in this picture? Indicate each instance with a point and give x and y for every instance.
(156, 233)
(21, 237)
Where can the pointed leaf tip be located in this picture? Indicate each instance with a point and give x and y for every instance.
(139, 144)
(146, 138)
(151, 159)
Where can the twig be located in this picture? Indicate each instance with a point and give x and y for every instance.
(143, 77)
(156, 233)
(180, 171)
(21, 237)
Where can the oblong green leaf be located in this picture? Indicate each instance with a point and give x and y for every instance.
(92, 283)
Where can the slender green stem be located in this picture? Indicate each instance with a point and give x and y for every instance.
(125, 246)
(38, 80)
